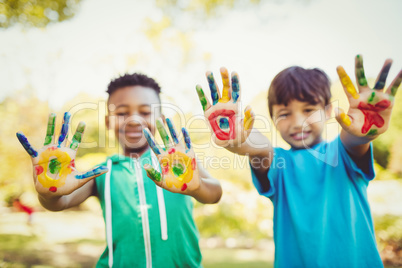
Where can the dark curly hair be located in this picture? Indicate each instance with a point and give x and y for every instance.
(135, 79)
(296, 83)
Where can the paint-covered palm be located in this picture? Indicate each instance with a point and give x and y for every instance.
(178, 167)
(53, 165)
(370, 108)
(224, 116)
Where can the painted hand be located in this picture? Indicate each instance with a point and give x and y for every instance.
(54, 169)
(370, 109)
(177, 161)
(225, 120)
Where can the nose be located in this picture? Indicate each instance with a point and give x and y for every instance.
(298, 120)
(134, 120)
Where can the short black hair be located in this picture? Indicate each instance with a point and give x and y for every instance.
(135, 79)
(296, 83)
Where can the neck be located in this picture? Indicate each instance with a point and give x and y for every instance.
(135, 152)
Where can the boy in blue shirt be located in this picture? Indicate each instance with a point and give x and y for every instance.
(146, 225)
(321, 213)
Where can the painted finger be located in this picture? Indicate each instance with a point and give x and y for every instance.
(153, 173)
(51, 123)
(204, 101)
(393, 88)
(382, 77)
(248, 118)
(172, 130)
(151, 142)
(213, 87)
(187, 140)
(347, 84)
(64, 129)
(226, 86)
(359, 71)
(163, 133)
(235, 87)
(343, 119)
(78, 136)
(27, 146)
(96, 172)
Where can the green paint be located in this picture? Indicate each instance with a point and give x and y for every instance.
(371, 98)
(163, 133)
(50, 129)
(54, 166)
(361, 78)
(155, 175)
(395, 86)
(372, 132)
(178, 170)
(201, 96)
(78, 136)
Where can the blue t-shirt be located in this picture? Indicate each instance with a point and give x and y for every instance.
(321, 213)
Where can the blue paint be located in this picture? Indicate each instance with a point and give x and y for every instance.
(383, 77)
(172, 130)
(186, 138)
(224, 123)
(235, 88)
(25, 143)
(214, 90)
(151, 142)
(64, 128)
(94, 172)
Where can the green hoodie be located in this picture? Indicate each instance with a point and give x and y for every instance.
(162, 234)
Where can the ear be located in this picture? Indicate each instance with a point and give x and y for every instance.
(107, 122)
(328, 111)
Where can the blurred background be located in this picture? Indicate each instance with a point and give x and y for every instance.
(59, 55)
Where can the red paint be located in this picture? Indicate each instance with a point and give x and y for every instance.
(53, 148)
(171, 150)
(220, 134)
(53, 189)
(371, 116)
(72, 164)
(165, 169)
(193, 164)
(38, 170)
(184, 187)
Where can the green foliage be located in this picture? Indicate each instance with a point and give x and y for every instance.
(37, 13)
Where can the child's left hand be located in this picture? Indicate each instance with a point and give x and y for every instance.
(370, 109)
(179, 166)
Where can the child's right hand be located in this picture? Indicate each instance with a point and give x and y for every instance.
(54, 169)
(225, 120)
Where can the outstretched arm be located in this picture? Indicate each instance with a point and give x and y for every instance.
(57, 181)
(229, 129)
(180, 171)
(370, 108)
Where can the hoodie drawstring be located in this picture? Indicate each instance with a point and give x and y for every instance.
(108, 213)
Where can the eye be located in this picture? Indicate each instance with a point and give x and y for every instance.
(145, 113)
(283, 116)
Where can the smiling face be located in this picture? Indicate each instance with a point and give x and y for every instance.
(300, 123)
(131, 109)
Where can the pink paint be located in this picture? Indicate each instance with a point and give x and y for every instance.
(53, 148)
(184, 187)
(371, 116)
(220, 134)
(171, 150)
(72, 164)
(38, 170)
(193, 164)
(53, 189)
(165, 169)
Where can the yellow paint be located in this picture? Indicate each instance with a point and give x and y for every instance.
(248, 121)
(345, 119)
(170, 178)
(44, 160)
(226, 86)
(347, 83)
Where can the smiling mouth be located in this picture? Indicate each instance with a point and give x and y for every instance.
(132, 134)
(300, 135)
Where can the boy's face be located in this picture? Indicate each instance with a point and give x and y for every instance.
(300, 123)
(131, 109)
